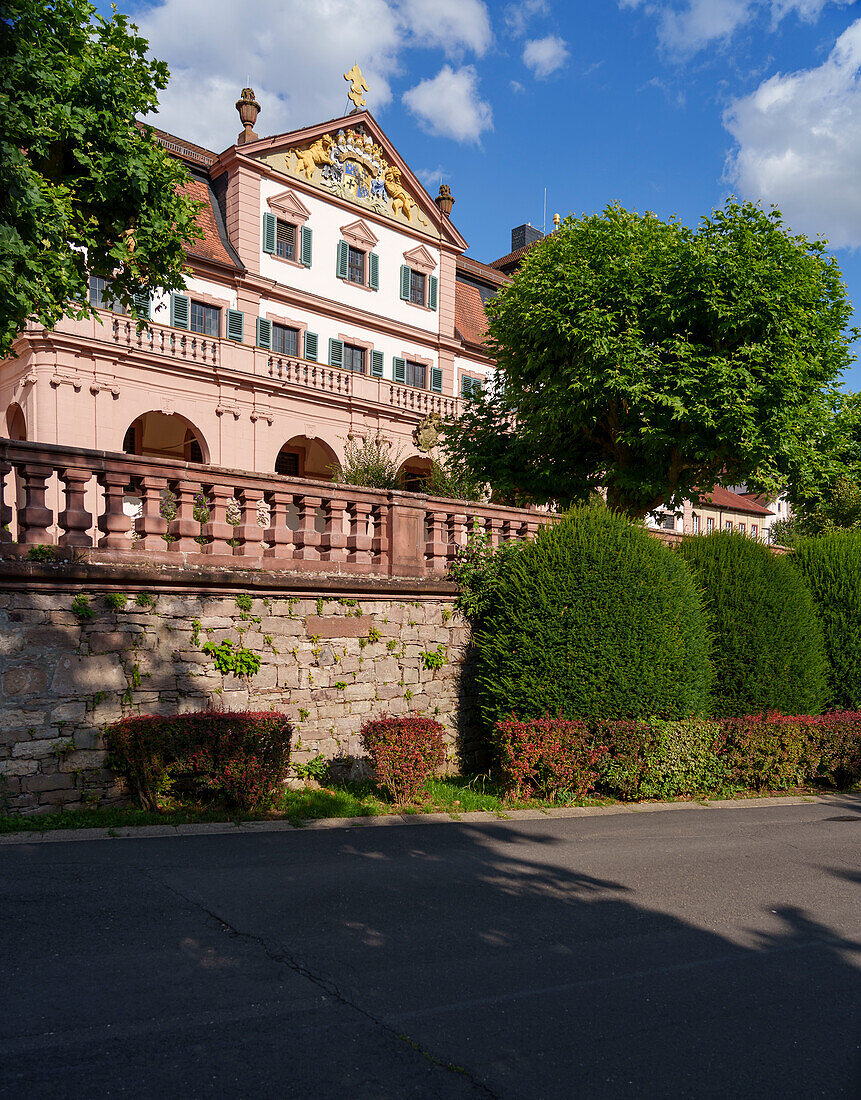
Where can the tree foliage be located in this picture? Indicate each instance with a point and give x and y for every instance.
(656, 360)
(83, 188)
(831, 568)
(594, 618)
(768, 650)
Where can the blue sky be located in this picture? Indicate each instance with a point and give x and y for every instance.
(665, 105)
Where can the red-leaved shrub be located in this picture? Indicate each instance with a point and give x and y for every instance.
(839, 748)
(405, 752)
(770, 751)
(547, 756)
(237, 758)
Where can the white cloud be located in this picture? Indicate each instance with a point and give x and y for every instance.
(518, 15)
(545, 56)
(432, 177)
(453, 25)
(697, 24)
(799, 144)
(448, 105)
(294, 54)
(516, 86)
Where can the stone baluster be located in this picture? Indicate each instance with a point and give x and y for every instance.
(151, 526)
(216, 530)
(359, 543)
(381, 542)
(456, 534)
(114, 524)
(35, 517)
(334, 544)
(184, 528)
(436, 544)
(6, 512)
(307, 540)
(494, 531)
(278, 534)
(249, 533)
(75, 520)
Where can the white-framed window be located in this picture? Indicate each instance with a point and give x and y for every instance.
(695, 519)
(710, 525)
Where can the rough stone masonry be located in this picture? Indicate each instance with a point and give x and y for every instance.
(70, 664)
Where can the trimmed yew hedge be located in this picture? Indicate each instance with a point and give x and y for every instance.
(235, 758)
(830, 566)
(595, 617)
(768, 650)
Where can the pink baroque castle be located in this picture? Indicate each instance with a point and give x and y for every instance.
(329, 297)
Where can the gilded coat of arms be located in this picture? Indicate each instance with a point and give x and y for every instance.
(426, 435)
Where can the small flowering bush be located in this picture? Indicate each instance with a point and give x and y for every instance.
(405, 751)
(550, 757)
(237, 758)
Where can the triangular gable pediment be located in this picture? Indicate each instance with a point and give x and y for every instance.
(290, 206)
(420, 259)
(351, 159)
(360, 235)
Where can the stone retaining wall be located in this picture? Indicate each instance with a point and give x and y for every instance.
(329, 661)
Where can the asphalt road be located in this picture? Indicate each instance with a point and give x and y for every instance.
(708, 953)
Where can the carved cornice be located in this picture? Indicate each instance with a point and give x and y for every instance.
(290, 207)
(420, 259)
(359, 235)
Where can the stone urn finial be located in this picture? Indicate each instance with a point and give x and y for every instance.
(444, 199)
(248, 109)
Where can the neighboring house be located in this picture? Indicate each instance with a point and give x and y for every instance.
(720, 510)
(329, 296)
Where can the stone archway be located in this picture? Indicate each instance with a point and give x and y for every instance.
(305, 457)
(414, 473)
(16, 425)
(159, 435)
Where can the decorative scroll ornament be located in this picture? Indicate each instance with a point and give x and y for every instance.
(352, 165)
(358, 84)
(426, 434)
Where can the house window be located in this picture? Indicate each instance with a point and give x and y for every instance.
(99, 295)
(285, 240)
(669, 523)
(728, 525)
(416, 374)
(754, 531)
(471, 387)
(696, 523)
(742, 528)
(354, 358)
(287, 464)
(355, 265)
(203, 318)
(285, 340)
(418, 283)
(710, 525)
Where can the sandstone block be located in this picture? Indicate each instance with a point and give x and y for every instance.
(19, 767)
(11, 642)
(87, 675)
(332, 626)
(53, 637)
(24, 680)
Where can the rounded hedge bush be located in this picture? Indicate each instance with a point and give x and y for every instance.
(767, 651)
(830, 566)
(595, 618)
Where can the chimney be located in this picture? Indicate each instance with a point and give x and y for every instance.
(524, 235)
(444, 199)
(248, 109)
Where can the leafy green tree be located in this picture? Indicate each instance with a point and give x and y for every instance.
(828, 496)
(657, 360)
(83, 188)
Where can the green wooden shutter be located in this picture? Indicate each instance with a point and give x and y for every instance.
(373, 271)
(376, 364)
(466, 386)
(269, 229)
(235, 325)
(399, 369)
(311, 346)
(342, 259)
(141, 303)
(336, 353)
(264, 333)
(433, 288)
(307, 242)
(405, 282)
(436, 379)
(179, 310)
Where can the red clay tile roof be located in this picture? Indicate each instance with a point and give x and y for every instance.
(481, 271)
(725, 498)
(512, 259)
(211, 247)
(469, 316)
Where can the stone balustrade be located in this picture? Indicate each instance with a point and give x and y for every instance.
(123, 507)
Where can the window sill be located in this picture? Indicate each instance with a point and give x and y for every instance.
(358, 286)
